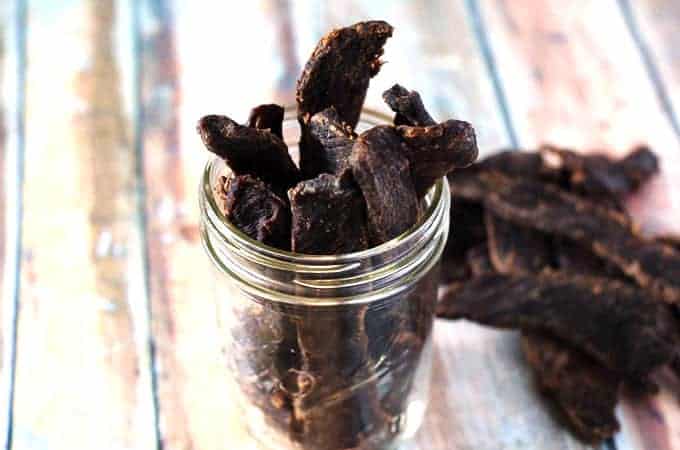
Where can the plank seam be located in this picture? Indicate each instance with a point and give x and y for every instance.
(142, 219)
(20, 22)
(481, 37)
(648, 60)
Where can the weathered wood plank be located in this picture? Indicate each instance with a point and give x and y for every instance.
(221, 76)
(82, 378)
(574, 78)
(12, 71)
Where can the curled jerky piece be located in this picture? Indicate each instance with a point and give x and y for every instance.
(249, 151)
(383, 174)
(613, 322)
(328, 144)
(585, 391)
(607, 233)
(267, 117)
(328, 216)
(257, 211)
(408, 106)
(597, 175)
(433, 151)
(339, 70)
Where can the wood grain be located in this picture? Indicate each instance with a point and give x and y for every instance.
(576, 80)
(82, 375)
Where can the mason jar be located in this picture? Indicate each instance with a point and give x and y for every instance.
(327, 352)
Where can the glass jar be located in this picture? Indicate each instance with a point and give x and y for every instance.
(328, 352)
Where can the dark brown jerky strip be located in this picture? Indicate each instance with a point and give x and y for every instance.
(383, 174)
(434, 151)
(339, 70)
(575, 258)
(328, 144)
(466, 231)
(479, 261)
(605, 232)
(267, 117)
(515, 249)
(586, 392)
(599, 176)
(514, 163)
(249, 151)
(328, 216)
(257, 211)
(408, 106)
(613, 322)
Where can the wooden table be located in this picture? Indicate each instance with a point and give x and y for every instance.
(109, 338)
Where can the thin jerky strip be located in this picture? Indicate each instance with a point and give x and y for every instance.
(328, 216)
(328, 144)
(433, 151)
(249, 151)
(257, 211)
(607, 233)
(408, 106)
(383, 174)
(267, 117)
(586, 392)
(339, 70)
(613, 322)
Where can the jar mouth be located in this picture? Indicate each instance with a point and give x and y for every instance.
(295, 278)
(228, 230)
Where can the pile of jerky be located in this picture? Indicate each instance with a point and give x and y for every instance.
(541, 243)
(335, 379)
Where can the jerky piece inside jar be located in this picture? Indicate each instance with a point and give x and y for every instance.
(267, 117)
(328, 144)
(613, 322)
(434, 151)
(257, 211)
(408, 107)
(249, 150)
(328, 216)
(339, 70)
(586, 392)
(383, 174)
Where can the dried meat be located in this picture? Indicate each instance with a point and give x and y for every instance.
(267, 117)
(340, 69)
(249, 151)
(328, 216)
(328, 144)
(408, 107)
(613, 322)
(586, 392)
(383, 174)
(252, 207)
(434, 151)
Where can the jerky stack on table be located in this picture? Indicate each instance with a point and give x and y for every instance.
(543, 244)
(335, 378)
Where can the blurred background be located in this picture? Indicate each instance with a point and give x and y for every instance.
(109, 338)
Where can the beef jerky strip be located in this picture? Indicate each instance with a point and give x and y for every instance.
(383, 174)
(257, 211)
(328, 216)
(599, 176)
(339, 70)
(434, 151)
(613, 322)
(467, 231)
(249, 151)
(408, 107)
(607, 233)
(586, 392)
(267, 117)
(479, 261)
(328, 144)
